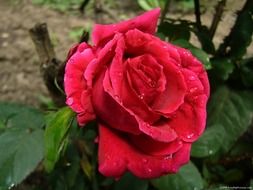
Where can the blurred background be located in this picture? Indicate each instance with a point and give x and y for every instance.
(20, 79)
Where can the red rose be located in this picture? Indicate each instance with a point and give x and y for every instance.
(149, 97)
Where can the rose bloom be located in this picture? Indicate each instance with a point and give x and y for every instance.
(148, 96)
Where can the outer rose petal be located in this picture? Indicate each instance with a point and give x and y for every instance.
(78, 96)
(190, 119)
(146, 22)
(114, 161)
(190, 62)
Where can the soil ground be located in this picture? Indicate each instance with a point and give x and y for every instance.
(20, 79)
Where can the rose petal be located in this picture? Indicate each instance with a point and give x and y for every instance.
(191, 63)
(75, 84)
(175, 90)
(101, 34)
(156, 148)
(146, 77)
(162, 132)
(114, 161)
(110, 112)
(105, 56)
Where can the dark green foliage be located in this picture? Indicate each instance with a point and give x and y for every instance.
(223, 153)
(187, 178)
(21, 142)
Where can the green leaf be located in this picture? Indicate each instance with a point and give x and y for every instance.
(246, 72)
(56, 136)
(20, 152)
(233, 175)
(16, 115)
(151, 4)
(222, 68)
(175, 31)
(228, 109)
(128, 181)
(188, 178)
(200, 54)
(145, 5)
(236, 43)
(209, 143)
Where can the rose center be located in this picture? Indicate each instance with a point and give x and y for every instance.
(144, 75)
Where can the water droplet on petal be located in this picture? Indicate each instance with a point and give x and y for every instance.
(152, 83)
(149, 170)
(168, 157)
(194, 89)
(141, 96)
(189, 136)
(165, 47)
(144, 160)
(178, 71)
(192, 78)
(70, 101)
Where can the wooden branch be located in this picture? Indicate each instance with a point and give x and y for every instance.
(217, 17)
(51, 68)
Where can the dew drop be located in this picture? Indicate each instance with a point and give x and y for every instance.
(192, 78)
(11, 186)
(141, 96)
(114, 25)
(189, 136)
(152, 83)
(116, 97)
(144, 160)
(168, 157)
(149, 170)
(195, 188)
(178, 71)
(180, 142)
(70, 101)
(194, 89)
(210, 152)
(165, 47)
(68, 164)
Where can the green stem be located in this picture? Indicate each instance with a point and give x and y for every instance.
(197, 13)
(164, 11)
